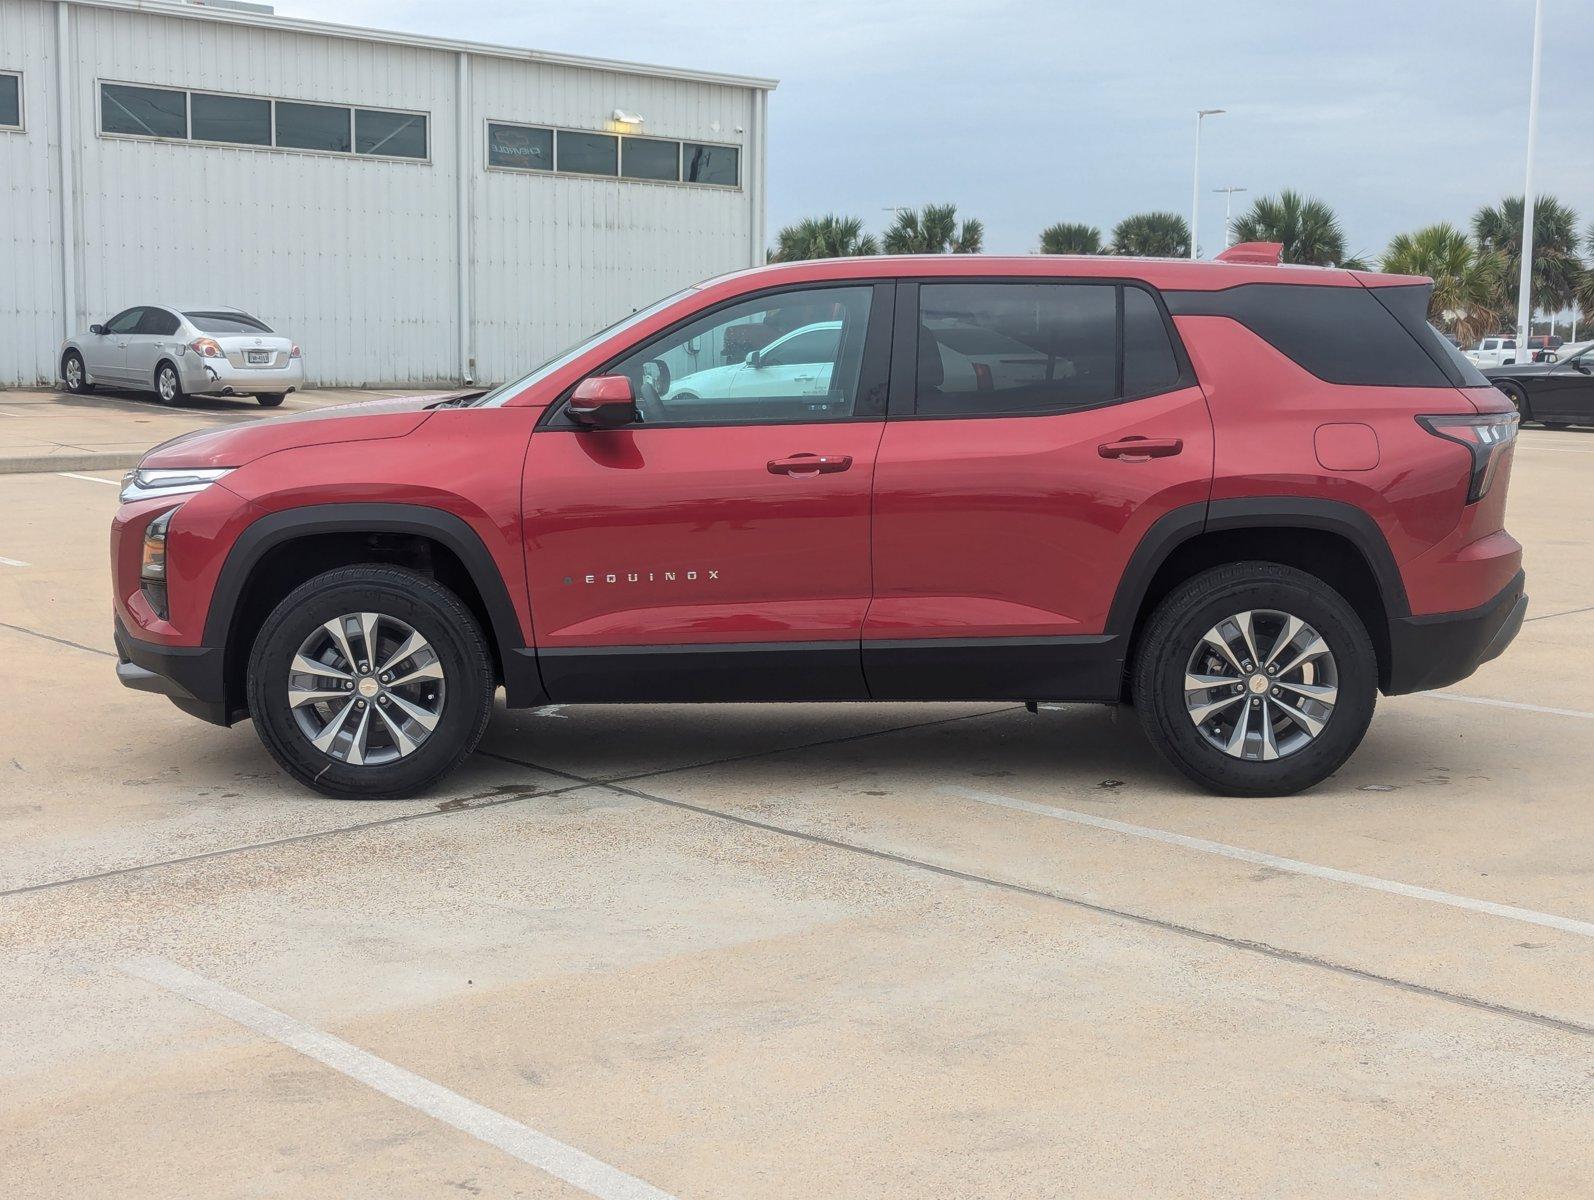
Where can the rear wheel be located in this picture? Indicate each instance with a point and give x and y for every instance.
(1255, 679)
(269, 399)
(168, 384)
(370, 682)
(74, 375)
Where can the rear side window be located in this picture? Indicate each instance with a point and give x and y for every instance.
(226, 322)
(1340, 334)
(1150, 365)
(157, 322)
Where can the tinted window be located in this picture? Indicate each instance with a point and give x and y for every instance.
(157, 322)
(125, 321)
(589, 153)
(239, 119)
(397, 135)
(1150, 364)
(1340, 334)
(649, 158)
(11, 101)
(152, 112)
(1409, 304)
(710, 164)
(521, 147)
(312, 126)
(225, 322)
(1027, 347)
(699, 373)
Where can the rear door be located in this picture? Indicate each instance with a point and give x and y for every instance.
(1009, 498)
(719, 548)
(152, 338)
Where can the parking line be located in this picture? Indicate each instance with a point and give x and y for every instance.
(87, 478)
(1291, 865)
(1458, 698)
(13, 562)
(547, 1154)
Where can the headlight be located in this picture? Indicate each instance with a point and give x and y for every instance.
(169, 481)
(152, 569)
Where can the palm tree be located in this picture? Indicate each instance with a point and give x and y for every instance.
(934, 231)
(1308, 228)
(1585, 282)
(1152, 235)
(1557, 270)
(1467, 296)
(823, 237)
(1070, 238)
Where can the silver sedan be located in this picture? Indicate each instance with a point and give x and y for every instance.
(179, 350)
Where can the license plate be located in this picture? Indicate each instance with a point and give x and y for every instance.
(259, 358)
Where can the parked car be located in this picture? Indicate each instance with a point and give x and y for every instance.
(1140, 518)
(1501, 349)
(1557, 393)
(184, 350)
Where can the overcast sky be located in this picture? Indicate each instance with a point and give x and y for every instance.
(1396, 112)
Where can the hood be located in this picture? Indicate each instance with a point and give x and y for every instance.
(364, 420)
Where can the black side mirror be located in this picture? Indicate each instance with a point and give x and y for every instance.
(603, 402)
(99, 329)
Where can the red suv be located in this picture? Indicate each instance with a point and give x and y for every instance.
(1242, 497)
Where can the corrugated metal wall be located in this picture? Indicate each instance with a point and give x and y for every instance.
(354, 257)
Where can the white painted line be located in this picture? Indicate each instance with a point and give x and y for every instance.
(13, 562)
(564, 1162)
(1538, 708)
(1291, 865)
(1554, 449)
(88, 478)
(551, 710)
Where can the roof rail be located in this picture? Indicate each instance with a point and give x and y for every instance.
(1259, 254)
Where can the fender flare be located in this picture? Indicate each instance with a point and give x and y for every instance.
(522, 682)
(1254, 512)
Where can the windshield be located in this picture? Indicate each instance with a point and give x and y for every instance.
(226, 322)
(505, 391)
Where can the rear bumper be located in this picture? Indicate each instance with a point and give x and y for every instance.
(189, 676)
(217, 375)
(1435, 651)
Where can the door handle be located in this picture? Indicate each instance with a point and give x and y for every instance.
(806, 466)
(1140, 449)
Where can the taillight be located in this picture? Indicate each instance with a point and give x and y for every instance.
(206, 347)
(294, 353)
(1487, 437)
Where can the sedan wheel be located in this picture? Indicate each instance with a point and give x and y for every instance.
(73, 373)
(167, 386)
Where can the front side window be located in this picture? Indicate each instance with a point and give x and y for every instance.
(125, 321)
(589, 153)
(142, 111)
(989, 348)
(795, 356)
(394, 134)
(240, 120)
(312, 126)
(10, 101)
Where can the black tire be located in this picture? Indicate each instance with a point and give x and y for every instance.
(1556, 424)
(430, 610)
(76, 380)
(1514, 393)
(168, 383)
(1178, 626)
(269, 399)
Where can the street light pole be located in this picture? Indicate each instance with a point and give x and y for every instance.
(1228, 216)
(1525, 279)
(1195, 183)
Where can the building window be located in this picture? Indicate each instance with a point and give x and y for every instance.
(10, 100)
(650, 158)
(147, 112)
(258, 121)
(313, 127)
(584, 153)
(399, 134)
(711, 164)
(241, 120)
(519, 147)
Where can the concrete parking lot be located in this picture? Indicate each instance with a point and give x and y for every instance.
(789, 951)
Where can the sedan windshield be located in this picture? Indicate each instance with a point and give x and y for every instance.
(226, 322)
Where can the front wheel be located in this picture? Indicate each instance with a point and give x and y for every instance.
(370, 682)
(269, 399)
(1255, 679)
(74, 375)
(1515, 394)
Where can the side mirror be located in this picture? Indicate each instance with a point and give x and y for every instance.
(603, 402)
(99, 329)
(752, 359)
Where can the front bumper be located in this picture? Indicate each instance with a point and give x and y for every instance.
(1435, 651)
(218, 376)
(191, 677)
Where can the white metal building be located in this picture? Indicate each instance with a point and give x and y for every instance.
(410, 210)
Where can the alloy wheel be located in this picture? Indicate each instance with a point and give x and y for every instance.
(166, 383)
(1261, 685)
(366, 689)
(74, 373)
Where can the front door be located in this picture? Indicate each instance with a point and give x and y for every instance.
(1566, 391)
(1042, 429)
(717, 549)
(105, 354)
